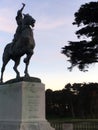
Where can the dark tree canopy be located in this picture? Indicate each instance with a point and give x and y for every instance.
(78, 100)
(82, 53)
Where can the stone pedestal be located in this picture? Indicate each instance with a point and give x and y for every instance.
(22, 106)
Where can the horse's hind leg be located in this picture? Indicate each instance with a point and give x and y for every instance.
(15, 67)
(3, 68)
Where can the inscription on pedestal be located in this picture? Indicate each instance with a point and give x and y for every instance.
(34, 100)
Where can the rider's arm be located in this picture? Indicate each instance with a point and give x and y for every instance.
(23, 5)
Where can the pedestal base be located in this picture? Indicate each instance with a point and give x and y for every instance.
(38, 125)
(22, 106)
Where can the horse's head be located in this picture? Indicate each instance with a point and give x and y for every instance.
(28, 20)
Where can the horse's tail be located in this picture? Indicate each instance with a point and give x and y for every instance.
(6, 52)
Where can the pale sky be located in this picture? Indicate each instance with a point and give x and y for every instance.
(53, 29)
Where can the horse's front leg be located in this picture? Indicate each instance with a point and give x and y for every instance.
(15, 68)
(26, 61)
(26, 70)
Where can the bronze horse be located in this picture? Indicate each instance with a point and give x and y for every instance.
(24, 45)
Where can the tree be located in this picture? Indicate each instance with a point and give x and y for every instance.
(78, 100)
(49, 102)
(82, 53)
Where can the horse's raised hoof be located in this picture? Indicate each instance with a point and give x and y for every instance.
(26, 60)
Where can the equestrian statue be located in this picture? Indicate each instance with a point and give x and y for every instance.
(22, 43)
